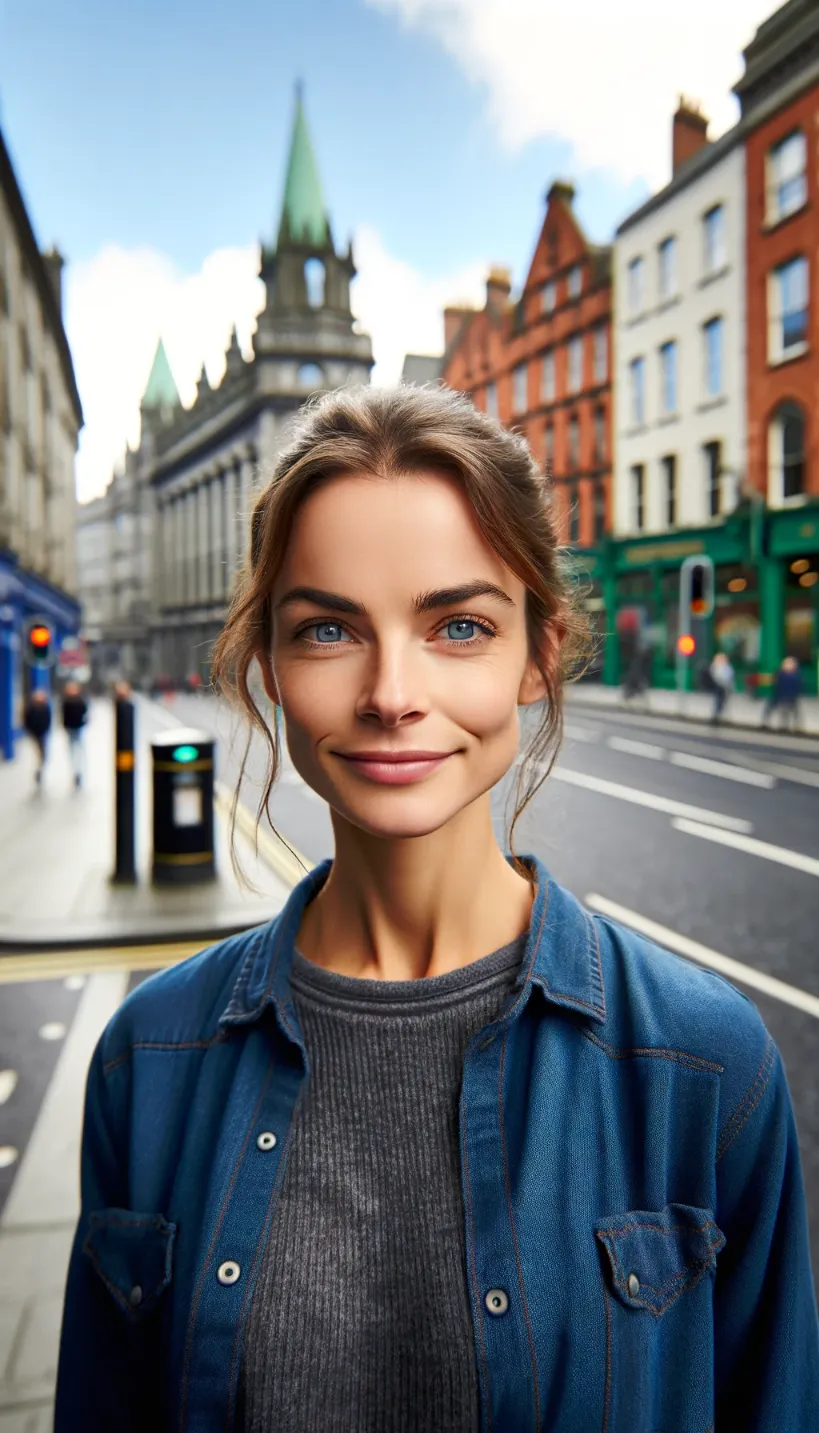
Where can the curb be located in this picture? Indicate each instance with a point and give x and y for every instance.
(621, 708)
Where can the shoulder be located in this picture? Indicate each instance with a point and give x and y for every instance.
(184, 1003)
(663, 1004)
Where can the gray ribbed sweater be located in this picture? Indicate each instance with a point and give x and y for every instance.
(360, 1320)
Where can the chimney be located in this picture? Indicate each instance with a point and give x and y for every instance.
(498, 289)
(689, 132)
(453, 319)
(563, 190)
(54, 263)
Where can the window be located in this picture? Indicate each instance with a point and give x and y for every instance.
(599, 511)
(637, 381)
(575, 281)
(667, 255)
(788, 309)
(601, 354)
(712, 353)
(314, 282)
(600, 434)
(519, 397)
(787, 183)
(668, 378)
(713, 226)
(549, 297)
(549, 448)
(712, 456)
(786, 454)
(669, 467)
(635, 286)
(574, 513)
(492, 400)
(575, 369)
(574, 441)
(310, 375)
(638, 474)
(548, 377)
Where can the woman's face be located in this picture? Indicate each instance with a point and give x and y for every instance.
(367, 667)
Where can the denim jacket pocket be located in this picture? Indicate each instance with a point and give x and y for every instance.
(658, 1275)
(133, 1255)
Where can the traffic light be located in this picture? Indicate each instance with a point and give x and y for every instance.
(686, 645)
(701, 589)
(40, 641)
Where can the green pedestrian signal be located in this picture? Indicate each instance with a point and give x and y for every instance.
(185, 753)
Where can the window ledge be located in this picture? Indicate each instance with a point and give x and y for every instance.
(667, 419)
(671, 302)
(770, 223)
(637, 318)
(797, 501)
(710, 403)
(636, 432)
(796, 351)
(715, 274)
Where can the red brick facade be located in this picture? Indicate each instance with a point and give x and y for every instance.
(561, 325)
(776, 379)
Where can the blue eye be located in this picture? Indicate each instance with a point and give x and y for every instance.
(333, 627)
(462, 622)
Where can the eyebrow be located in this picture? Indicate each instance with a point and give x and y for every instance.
(424, 602)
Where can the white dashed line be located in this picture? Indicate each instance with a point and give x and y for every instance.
(780, 854)
(54, 1030)
(8, 1084)
(722, 768)
(647, 798)
(636, 748)
(723, 964)
(8, 1155)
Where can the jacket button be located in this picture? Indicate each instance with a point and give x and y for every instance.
(266, 1141)
(633, 1285)
(135, 1296)
(228, 1273)
(497, 1301)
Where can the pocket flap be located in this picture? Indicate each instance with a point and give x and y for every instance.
(132, 1253)
(656, 1255)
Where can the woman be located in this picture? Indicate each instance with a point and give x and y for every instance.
(434, 1149)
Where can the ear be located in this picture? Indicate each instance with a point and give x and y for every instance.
(533, 688)
(268, 679)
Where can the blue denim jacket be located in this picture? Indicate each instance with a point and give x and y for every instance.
(630, 1174)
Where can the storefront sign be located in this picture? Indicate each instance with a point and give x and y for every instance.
(661, 552)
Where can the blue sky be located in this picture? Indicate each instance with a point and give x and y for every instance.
(149, 137)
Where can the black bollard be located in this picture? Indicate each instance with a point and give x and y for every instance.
(125, 870)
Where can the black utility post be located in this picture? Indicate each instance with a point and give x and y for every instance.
(125, 870)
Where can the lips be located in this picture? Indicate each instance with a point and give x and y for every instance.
(393, 756)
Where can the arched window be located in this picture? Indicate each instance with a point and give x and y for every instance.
(311, 375)
(786, 454)
(314, 282)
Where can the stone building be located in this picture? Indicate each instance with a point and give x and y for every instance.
(40, 418)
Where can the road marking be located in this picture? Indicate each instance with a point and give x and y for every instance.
(289, 864)
(704, 955)
(54, 1030)
(8, 1156)
(56, 965)
(807, 745)
(797, 774)
(8, 1084)
(721, 768)
(636, 748)
(580, 733)
(647, 798)
(783, 857)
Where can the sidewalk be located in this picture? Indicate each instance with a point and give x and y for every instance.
(58, 853)
(741, 710)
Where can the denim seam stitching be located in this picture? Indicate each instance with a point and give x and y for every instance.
(521, 1284)
(750, 1099)
(680, 1057)
(476, 1293)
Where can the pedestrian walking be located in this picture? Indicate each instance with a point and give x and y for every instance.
(75, 716)
(436, 1147)
(723, 678)
(37, 722)
(787, 689)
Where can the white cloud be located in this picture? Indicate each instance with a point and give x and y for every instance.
(604, 77)
(121, 301)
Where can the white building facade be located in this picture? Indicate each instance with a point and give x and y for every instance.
(680, 347)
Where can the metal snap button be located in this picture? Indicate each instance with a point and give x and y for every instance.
(633, 1285)
(135, 1296)
(497, 1301)
(228, 1273)
(266, 1141)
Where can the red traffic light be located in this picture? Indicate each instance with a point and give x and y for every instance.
(39, 636)
(686, 645)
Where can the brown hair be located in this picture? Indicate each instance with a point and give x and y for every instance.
(387, 433)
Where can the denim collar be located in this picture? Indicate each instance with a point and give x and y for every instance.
(562, 954)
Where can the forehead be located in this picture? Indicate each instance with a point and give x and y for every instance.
(360, 524)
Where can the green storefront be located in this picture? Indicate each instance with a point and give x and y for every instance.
(766, 571)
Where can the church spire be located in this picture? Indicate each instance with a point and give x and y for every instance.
(160, 390)
(304, 217)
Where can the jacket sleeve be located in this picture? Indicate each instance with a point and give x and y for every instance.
(766, 1327)
(104, 1378)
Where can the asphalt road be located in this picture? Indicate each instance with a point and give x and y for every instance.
(754, 903)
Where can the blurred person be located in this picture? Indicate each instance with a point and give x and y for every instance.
(37, 722)
(787, 689)
(435, 1147)
(75, 716)
(723, 678)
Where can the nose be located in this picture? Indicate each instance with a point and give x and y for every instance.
(394, 686)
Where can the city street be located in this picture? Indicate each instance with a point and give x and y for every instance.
(706, 840)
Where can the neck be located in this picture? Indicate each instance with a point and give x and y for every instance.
(415, 907)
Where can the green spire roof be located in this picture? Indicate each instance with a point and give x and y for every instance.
(304, 218)
(161, 390)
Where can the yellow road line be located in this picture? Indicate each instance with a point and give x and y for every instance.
(56, 964)
(291, 868)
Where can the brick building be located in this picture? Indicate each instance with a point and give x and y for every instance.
(543, 364)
